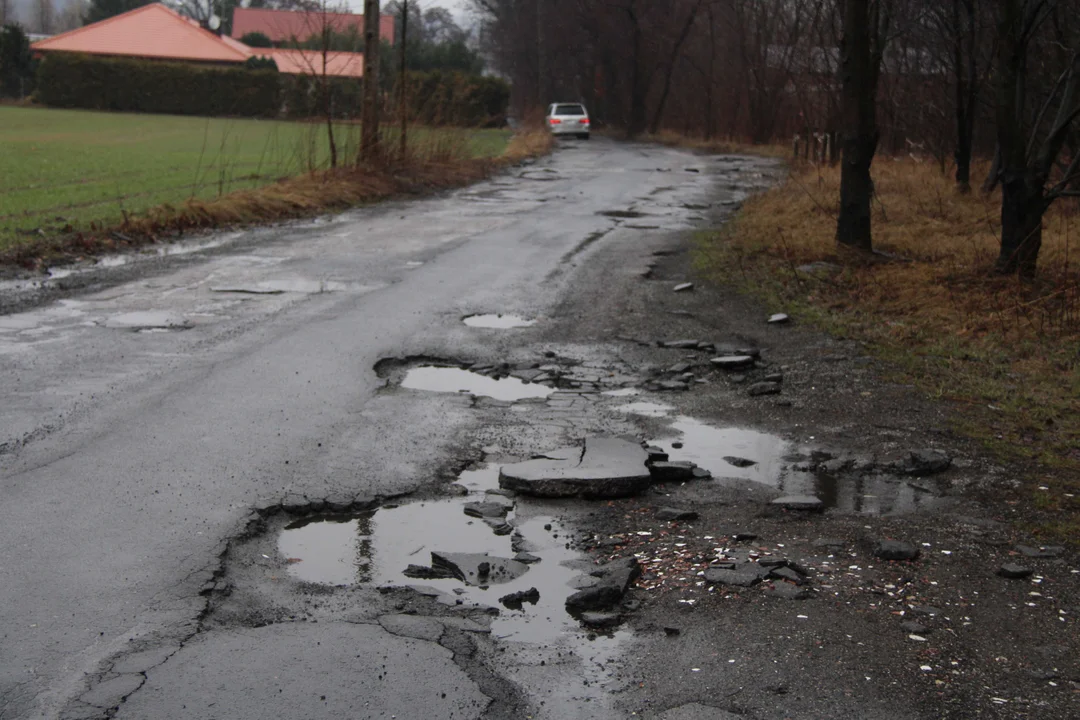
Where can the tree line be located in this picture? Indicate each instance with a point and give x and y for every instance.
(958, 79)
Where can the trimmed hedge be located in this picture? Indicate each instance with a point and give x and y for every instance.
(454, 98)
(129, 85)
(84, 81)
(302, 96)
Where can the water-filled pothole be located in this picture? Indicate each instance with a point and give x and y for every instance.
(745, 454)
(377, 547)
(458, 380)
(497, 321)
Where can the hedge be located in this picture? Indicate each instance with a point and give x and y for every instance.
(83, 81)
(129, 85)
(454, 98)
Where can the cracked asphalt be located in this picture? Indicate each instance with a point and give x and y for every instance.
(166, 418)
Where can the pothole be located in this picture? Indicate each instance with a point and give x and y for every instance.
(849, 485)
(442, 549)
(623, 214)
(458, 380)
(148, 320)
(498, 321)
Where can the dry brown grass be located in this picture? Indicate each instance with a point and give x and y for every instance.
(442, 162)
(1004, 351)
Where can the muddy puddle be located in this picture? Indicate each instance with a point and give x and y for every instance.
(497, 321)
(378, 548)
(735, 453)
(457, 380)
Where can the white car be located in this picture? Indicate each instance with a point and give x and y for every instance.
(568, 119)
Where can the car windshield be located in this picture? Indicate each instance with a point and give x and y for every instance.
(569, 110)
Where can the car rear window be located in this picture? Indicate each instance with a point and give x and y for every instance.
(569, 110)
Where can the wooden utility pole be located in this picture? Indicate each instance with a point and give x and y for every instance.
(369, 139)
(403, 83)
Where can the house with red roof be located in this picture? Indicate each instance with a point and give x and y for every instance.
(284, 26)
(156, 32)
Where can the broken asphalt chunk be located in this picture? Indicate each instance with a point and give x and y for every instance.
(612, 582)
(514, 601)
(606, 468)
(895, 550)
(928, 462)
(477, 568)
(672, 471)
(1042, 552)
(763, 388)
(732, 362)
(1013, 571)
(739, 462)
(601, 619)
(676, 515)
(486, 510)
(746, 575)
(679, 344)
(806, 503)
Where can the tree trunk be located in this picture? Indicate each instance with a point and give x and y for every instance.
(658, 116)
(639, 89)
(369, 138)
(1022, 208)
(860, 133)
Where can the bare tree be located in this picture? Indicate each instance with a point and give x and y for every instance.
(866, 25)
(370, 112)
(1032, 173)
(44, 16)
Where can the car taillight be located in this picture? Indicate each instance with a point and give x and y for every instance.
(584, 121)
(556, 121)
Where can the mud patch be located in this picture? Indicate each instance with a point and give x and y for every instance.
(498, 321)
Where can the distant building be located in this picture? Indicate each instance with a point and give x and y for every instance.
(156, 32)
(284, 26)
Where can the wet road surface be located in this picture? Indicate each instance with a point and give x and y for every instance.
(145, 416)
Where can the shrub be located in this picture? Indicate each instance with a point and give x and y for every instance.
(16, 63)
(453, 98)
(256, 40)
(97, 83)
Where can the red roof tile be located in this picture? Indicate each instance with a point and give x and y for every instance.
(152, 31)
(156, 32)
(310, 62)
(286, 25)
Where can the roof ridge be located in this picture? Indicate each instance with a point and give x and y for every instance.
(188, 23)
(99, 23)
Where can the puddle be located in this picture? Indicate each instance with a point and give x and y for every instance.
(647, 409)
(376, 548)
(148, 320)
(715, 448)
(498, 322)
(456, 380)
(280, 287)
(624, 392)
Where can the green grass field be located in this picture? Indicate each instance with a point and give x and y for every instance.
(63, 169)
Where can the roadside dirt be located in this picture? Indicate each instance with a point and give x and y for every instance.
(942, 636)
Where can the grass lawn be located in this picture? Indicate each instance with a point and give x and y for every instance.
(63, 169)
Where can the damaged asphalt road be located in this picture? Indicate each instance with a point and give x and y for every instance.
(345, 468)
